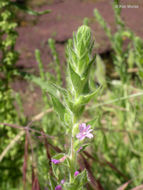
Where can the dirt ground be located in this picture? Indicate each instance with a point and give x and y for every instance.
(65, 17)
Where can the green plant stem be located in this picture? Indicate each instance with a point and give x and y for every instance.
(72, 153)
(72, 156)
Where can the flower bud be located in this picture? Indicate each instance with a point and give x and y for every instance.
(79, 52)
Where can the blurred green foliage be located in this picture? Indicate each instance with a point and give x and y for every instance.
(8, 58)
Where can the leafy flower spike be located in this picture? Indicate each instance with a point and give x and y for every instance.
(85, 131)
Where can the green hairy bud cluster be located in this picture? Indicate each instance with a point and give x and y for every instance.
(80, 50)
(79, 53)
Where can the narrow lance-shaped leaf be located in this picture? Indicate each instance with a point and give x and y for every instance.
(84, 99)
(78, 183)
(45, 85)
(76, 81)
(59, 107)
(100, 70)
(38, 58)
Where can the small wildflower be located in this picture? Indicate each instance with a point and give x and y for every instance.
(58, 187)
(59, 161)
(62, 159)
(85, 131)
(76, 173)
(55, 161)
(62, 181)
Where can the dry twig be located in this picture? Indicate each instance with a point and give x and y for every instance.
(18, 136)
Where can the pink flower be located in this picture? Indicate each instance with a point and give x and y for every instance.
(63, 158)
(85, 131)
(58, 187)
(62, 181)
(55, 161)
(59, 161)
(76, 173)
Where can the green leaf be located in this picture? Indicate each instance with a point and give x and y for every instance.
(86, 73)
(76, 82)
(101, 21)
(100, 70)
(51, 182)
(131, 58)
(79, 182)
(59, 107)
(68, 119)
(73, 59)
(84, 99)
(71, 186)
(60, 170)
(77, 146)
(81, 178)
(53, 91)
(63, 91)
(45, 85)
(41, 69)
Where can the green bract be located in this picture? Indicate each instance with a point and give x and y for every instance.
(79, 52)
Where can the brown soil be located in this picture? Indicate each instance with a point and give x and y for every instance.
(66, 17)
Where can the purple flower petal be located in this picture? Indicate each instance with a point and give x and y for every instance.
(85, 131)
(58, 187)
(89, 135)
(62, 181)
(82, 137)
(76, 173)
(55, 161)
(88, 126)
(78, 136)
(82, 127)
(63, 158)
(89, 130)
